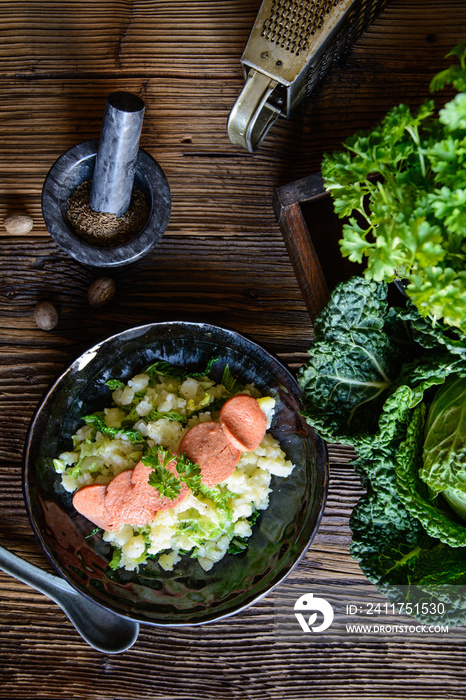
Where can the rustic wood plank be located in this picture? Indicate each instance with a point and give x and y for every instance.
(182, 37)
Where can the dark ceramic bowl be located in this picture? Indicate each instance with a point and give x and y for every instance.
(76, 166)
(187, 595)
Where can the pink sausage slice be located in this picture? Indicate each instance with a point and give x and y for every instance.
(244, 422)
(90, 502)
(132, 500)
(145, 492)
(121, 504)
(207, 445)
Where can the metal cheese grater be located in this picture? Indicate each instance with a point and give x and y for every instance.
(292, 45)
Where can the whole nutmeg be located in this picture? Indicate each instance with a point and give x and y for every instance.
(101, 291)
(18, 224)
(46, 315)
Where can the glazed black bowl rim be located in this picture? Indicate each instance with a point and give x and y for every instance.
(87, 356)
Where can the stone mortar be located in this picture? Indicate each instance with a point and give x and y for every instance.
(77, 165)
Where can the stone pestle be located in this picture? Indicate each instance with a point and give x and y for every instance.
(117, 154)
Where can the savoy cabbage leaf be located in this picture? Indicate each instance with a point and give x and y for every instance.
(444, 451)
(382, 536)
(406, 564)
(394, 461)
(353, 362)
(431, 336)
(434, 514)
(406, 537)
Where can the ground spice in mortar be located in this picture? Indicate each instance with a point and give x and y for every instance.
(102, 228)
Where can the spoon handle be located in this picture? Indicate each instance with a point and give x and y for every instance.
(32, 575)
(100, 628)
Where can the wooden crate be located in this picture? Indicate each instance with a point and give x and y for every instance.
(311, 231)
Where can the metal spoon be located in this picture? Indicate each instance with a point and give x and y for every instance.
(100, 628)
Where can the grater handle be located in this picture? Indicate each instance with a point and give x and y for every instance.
(252, 115)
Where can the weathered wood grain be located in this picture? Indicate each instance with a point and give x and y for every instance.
(183, 37)
(222, 260)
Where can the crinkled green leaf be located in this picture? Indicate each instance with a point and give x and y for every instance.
(353, 361)
(404, 535)
(449, 207)
(447, 158)
(379, 532)
(434, 515)
(165, 369)
(401, 188)
(97, 420)
(444, 451)
(440, 293)
(405, 563)
(432, 336)
(453, 115)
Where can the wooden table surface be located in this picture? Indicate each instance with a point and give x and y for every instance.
(221, 260)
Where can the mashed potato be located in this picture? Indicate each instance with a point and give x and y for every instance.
(155, 409)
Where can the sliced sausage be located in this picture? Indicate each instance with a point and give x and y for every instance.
(243, 421)
(121, 504)
(134, 501)
(145, 492)
(207, 445)
(90, 502)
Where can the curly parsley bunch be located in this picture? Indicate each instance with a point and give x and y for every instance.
(403, 188)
